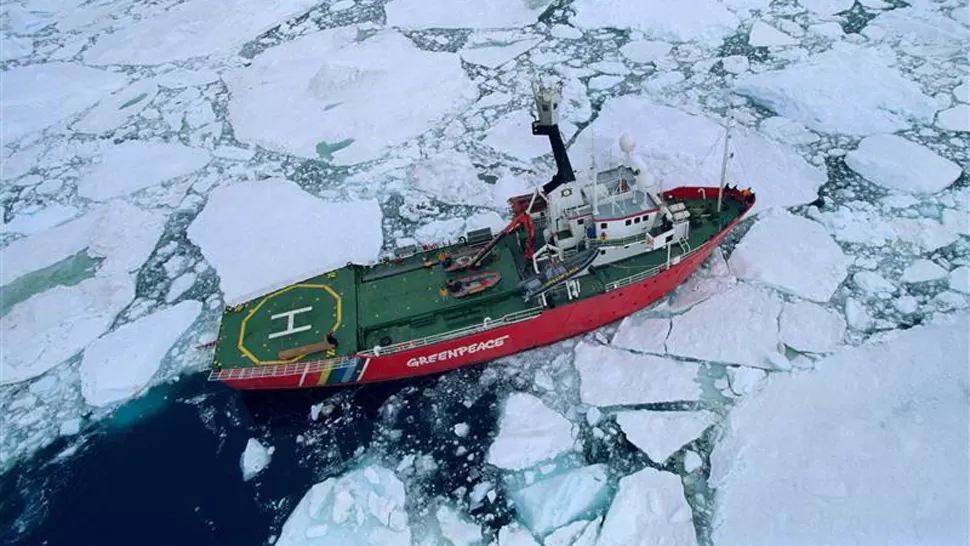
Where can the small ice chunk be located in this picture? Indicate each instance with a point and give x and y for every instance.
(787, 131)
(962, 92)
(461, 430)
(873, 283)
(906, 304)
(123, 362)
(180, 286)
(529, 433)
(565, 32)
(370, 503)
(692, 461)
(70, 427)
(270, 207)
(602, 82)
(829, 30)
(513, 535)
(649, 504)
(763, 35)
(744, 380)
(421, 14)
(896, 163)
(553, 502)
(134, 165)
(254, 458)
(960, 279)
(645, 51)
(848, 89)
(956, 118)
(827, 7)
(610, 377)
(774, 253)
(593, 416)
(495, 56)
(809, 327)
(856, 315)
(660, 434)
(452, 178)
(457, 529)
(735, 64)
(923, 270)
(926, 233)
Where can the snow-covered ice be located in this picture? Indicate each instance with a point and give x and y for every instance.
(279, 210)
(750, 338)
(450, 177)
(121, 363)
(529, 433)
(551, 503)
(700, 21)
(114, 110)
(867, 449)
(255, 458)
(744, 380)
(365, 507)
(660, 434)
(611, 377)
(682, 149)
(37, 96)
(649, 508)
(508, 135)
(134, 165)
(896, 163)
(762, 35)
(808, 327)
(923, 270)
(848, 90)
(41, 220)
(956, 118)
(791, 254)
(463, 13)
(347, 100)
(191, 29)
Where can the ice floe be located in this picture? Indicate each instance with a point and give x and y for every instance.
(463, 13)
(848, 89)
(700, 21)
(610, 377)
(762, 35)
(114, 110)
(456, 529)
(956, 118)
(791, 254)
(39, 95)
(807, 459)
(896, 163)
(134, 165)
(451, 178)
(827, 7)
(959, 279)
(192, 29)
(347, 100)
(278, 210)
(121, 363)
(255, 458)
(649, 508)
(750, 338)
(54, 325)
(923, 270)
(508, 135)
(924, 33)
(645, 51)
(787, 131)
(41, 219)
(639, 333)
(365, 507)
(808, 327)
(682, 149)
(660, 434)
(551, 503)
(494, 56)
(529, 433)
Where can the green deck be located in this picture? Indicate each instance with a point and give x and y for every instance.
(366, 306)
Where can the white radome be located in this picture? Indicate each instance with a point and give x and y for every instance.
(627, 144)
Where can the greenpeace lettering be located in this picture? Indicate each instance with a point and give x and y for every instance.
(457, 352)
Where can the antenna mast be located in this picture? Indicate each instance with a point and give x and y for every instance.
(724, 160)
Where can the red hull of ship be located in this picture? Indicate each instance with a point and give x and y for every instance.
(552, 325)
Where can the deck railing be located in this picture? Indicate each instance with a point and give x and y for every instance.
(280, 370)
(487, 324)
(637, 277)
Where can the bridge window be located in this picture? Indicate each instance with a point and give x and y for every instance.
(637, 219)
(580, 221)
(628, 222)
(603, 225)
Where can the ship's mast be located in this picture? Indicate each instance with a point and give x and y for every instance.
(547, 100)
(724, 161)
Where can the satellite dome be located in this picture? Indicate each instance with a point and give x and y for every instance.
(627, 143)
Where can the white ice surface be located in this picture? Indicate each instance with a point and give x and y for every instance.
(787, 131)
(922, 31)
(353, 233)
(254, 459)
(508, 135)
(959, 279)
(192, 29)
(649, 509)
(922, 271)
(513, 535)
(114, 110)
(378, 93)
(827, 7)
(494, 56)
(122, 362)
(41, 220)
(750, 338)
(642, 334)
(791, 254)
(565, 32)
(463, 13)
(456, 528)
(763, 35)
(705, 22)
(805, 326)
(744, 380)
(848, 89)
(134, 165)
(681, 149)
(52, 326)
(39, 95)
(896, 163)
(529, 433)
(362, 508)
(660, 434)
(450, 177)
(956, 118)
(645, 51)
(870, 448)
(15, 48)
(554, 502)
(610, 377)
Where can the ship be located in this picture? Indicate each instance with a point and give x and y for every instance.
(578, 254)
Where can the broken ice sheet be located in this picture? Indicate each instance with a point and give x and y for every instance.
(529, 433)
(463, 13)
(699, 21)
(610, 377)
(135, 165)
(649, 508)
(896, 163)
(660, 434)
(551, 503)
